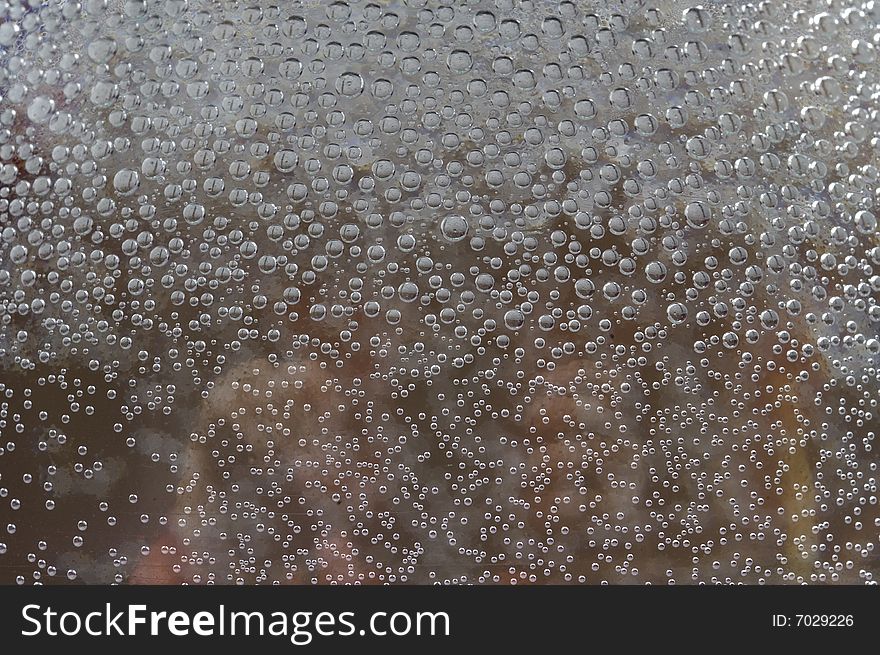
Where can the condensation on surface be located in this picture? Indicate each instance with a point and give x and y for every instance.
(427, 291)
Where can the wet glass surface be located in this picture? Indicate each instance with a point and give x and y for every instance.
(499, 291)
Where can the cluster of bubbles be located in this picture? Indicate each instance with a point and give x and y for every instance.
(434, 291)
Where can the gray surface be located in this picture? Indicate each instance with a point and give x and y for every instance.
(497, 292)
